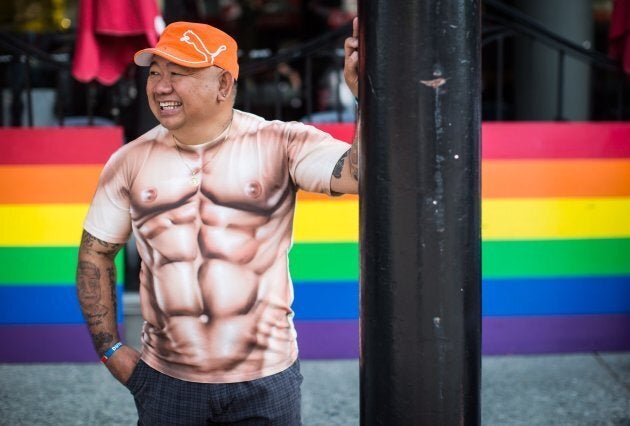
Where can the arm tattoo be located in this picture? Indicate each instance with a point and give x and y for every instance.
(354, 160)
(98, 298)
(89, 292)
(102, 341)
(112, 285)
(92, 244)
(339, 165)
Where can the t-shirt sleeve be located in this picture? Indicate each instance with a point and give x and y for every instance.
(313, 155)
(108, 216)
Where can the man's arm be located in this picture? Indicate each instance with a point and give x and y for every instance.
(345, 178)
(96, 291)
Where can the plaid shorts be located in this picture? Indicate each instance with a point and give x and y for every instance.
(164, 400)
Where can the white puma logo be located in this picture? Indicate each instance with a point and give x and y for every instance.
(193, 39)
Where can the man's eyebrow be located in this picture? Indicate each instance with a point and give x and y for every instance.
(173, 65)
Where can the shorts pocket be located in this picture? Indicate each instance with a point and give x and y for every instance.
(137, 377)
(296, 372)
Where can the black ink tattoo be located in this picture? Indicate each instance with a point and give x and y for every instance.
(339, 166)
(94, 319)
(89, 292)
(112, 285)
(102, 341)
(88, 282)
(92, 244)
(354, 162)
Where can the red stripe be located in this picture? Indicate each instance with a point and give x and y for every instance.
(555, 140)
(531, 140)
(342, 131)
(59, 145)
(501, 140)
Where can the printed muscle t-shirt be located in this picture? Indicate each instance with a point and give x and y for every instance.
(213, 227)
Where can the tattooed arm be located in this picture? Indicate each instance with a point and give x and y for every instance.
(345, 177)
(96, 290)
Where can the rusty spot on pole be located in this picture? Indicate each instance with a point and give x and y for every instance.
(435, 83)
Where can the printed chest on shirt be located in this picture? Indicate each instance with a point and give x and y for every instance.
(244, 174)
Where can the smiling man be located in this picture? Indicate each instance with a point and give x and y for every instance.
(209, 195)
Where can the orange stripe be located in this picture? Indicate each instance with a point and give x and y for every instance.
(555, 178)
(303, 195)
(33, 184)
(500, 178)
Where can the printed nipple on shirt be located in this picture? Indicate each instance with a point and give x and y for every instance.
(148, 195)
(253, 189)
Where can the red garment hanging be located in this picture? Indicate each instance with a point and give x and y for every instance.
(619, 33)
(109, 33)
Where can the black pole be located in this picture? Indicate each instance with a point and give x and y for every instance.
(420, 212)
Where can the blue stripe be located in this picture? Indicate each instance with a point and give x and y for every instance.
(337, 300)
(500, 297)
(44, 305)
(556, 296)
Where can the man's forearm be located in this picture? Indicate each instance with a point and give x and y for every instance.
(96, 290)
(354, 151)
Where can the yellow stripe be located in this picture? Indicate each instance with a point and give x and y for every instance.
(336, 221)
(41, 224)
(502, 219)
(555, 218)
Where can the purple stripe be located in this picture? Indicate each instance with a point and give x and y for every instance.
(501, 335)
(555, 334)
(340, 339)
(328, 339)
(47, 343)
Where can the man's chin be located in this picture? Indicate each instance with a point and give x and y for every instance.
(169, 123)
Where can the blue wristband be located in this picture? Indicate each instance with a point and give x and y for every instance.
(109, 352)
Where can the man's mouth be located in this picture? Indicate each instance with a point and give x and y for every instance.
(170, 105)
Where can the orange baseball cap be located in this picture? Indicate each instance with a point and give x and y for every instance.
(193, 45)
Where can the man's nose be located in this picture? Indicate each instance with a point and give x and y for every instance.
(164, 85)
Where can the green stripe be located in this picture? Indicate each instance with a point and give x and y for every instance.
(340, 261)
(43, 265)
(501, 259)
(552, 258)
(324, 261)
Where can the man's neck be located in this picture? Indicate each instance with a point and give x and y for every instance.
(205, 134)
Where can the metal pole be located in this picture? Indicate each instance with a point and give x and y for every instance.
(420, 212)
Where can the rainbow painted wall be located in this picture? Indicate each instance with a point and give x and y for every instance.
(47, 179)
(555, 227)
(555, 245)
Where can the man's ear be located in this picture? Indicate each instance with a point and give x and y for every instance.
(226, 85)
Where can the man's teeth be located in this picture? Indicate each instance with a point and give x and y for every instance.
(169, 105)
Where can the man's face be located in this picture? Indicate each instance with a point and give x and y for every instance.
(179, 96)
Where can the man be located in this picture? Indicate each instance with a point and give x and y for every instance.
(209, 195)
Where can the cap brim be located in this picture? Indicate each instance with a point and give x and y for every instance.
(144, 57)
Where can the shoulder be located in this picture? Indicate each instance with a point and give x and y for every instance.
(251, 123)
(142, 144)
(133, 154)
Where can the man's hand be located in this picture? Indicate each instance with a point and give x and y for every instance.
(351, 62)
(122, 363)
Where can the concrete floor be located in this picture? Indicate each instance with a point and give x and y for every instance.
(576, 389)
(584, 389)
